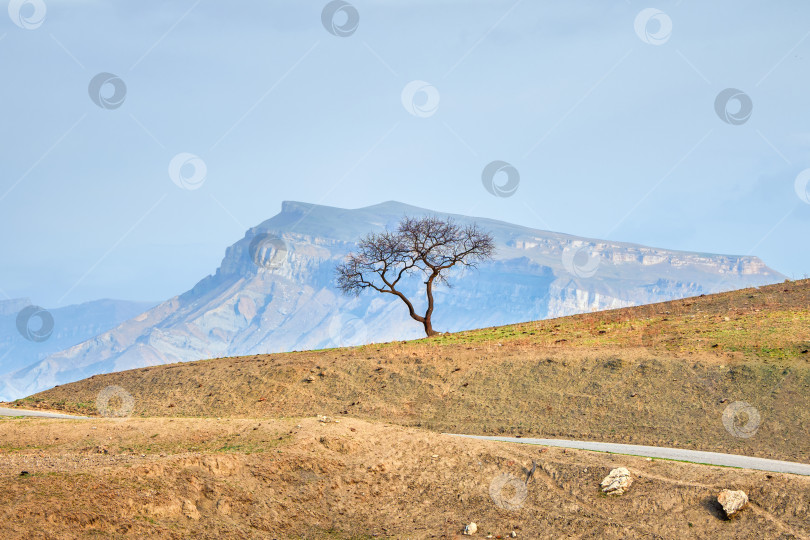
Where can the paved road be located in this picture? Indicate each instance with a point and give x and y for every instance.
(41, 414)
(693, 456)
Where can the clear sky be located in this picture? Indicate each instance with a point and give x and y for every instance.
(605, 109)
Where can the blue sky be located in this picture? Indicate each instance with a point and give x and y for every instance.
(614, 131)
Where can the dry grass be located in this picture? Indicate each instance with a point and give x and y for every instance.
(660, 375)
(298, 478)
(229, 448)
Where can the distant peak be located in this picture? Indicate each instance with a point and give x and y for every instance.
(293, 207)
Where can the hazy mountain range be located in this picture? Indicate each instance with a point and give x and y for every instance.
(274, 291)
(68, 326)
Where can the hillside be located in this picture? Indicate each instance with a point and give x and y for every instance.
(274, 292)
(661, 374)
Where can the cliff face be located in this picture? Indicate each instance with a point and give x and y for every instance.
(274, 292)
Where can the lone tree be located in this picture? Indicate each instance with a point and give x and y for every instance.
(426, 246)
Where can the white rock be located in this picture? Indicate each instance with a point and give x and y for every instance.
(472, 528)
(732, 501)
(617, 481)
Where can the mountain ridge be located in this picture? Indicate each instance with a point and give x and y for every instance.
(297, 207)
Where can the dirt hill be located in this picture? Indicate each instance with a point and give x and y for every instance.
(663, 374)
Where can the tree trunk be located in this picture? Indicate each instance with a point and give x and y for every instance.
(429, 331)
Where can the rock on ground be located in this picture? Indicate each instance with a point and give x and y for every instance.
(617, 481)
(732, 501)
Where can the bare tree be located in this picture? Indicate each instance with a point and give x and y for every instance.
(427, 246)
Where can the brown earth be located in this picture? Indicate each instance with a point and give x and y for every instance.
(660, 375)
(300, 478)
(211, 448)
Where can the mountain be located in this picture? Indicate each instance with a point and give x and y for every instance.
(28, 334)
(274, 291)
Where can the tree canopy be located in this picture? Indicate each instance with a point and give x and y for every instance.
(426, 246)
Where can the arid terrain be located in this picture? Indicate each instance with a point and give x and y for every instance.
(301, 478)
(232, 447)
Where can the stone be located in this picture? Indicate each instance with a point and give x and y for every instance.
(617, 481)
(470, 529)
(732, 501)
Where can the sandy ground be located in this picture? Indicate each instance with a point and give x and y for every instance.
(302, 478)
